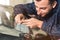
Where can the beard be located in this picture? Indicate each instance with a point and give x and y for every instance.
(46, 17)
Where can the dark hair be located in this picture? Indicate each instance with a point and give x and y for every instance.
(51, 1)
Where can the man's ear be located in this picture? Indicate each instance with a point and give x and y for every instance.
(54, 4)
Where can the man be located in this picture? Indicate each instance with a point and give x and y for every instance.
(43, 14)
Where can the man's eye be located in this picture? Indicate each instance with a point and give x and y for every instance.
(38, 0)
(43, 8)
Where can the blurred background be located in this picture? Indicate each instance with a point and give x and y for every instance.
(6, 19)
(14, 2)
(6, 10)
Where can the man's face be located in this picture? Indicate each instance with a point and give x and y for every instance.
(42, 7)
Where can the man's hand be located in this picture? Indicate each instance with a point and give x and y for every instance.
(32, 23)
(19, 18)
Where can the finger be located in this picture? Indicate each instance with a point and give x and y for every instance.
(25, 21)
(18, 22)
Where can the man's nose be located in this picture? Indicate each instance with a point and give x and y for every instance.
(39, 11)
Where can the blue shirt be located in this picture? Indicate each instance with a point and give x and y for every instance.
(51, 23)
